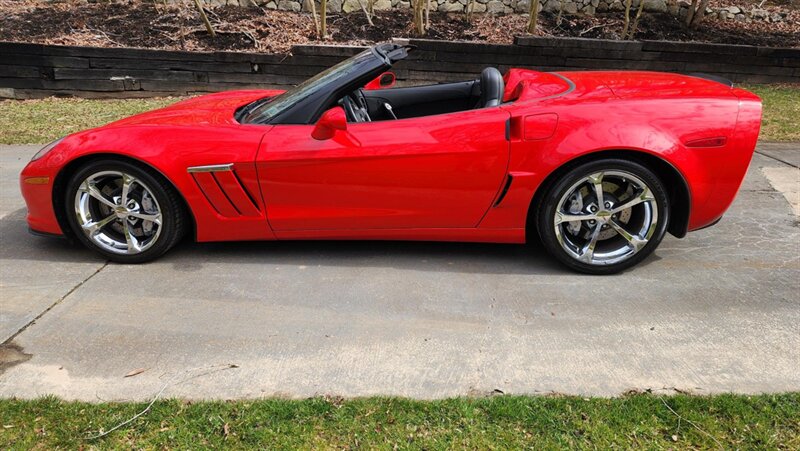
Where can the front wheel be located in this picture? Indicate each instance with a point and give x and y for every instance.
(126, 213)
(603, 216)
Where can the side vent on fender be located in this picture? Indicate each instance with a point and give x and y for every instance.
(224, 190)
(503, 193)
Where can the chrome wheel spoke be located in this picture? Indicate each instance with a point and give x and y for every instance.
(587, 253)
(644, 196)
(569, 217)
(154, 218)
(635, 242)
(91, 228)
(130, 239)
(91, 189)
(597, 183)
(127, 182)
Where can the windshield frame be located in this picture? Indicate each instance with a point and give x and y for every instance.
(304, 103)
(265, 110)
(307, 109)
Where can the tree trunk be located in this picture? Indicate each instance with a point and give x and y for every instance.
(560, 12)
(313, 7)
(203, 16)
(366, 13)
(690, 13)
(323, 19)
(635, 26)
(427, 15)
(699, 15)
(627, 18)
(418, 7)
(534, 16)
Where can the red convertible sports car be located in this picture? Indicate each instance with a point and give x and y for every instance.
(597, 165)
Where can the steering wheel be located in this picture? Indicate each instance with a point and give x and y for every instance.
(355, 105)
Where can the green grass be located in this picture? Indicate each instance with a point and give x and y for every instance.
(539, 422)
(781, 111)
(41, 121)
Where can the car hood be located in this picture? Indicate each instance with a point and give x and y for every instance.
(210, 109)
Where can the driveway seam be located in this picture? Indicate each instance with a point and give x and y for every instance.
(776, 159)
(61, 299)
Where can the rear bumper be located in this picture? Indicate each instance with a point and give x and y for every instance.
(724, 168)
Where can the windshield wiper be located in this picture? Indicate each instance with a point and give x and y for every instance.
(244, 113)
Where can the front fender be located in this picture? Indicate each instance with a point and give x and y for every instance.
(170, 151)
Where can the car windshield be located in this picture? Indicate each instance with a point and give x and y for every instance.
(260, 111)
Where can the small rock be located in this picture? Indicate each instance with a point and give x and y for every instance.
(659, 6)
(551, 6)
(734, 10)
(289, 5)
(495, 6)
(351, 5)
(450, 7)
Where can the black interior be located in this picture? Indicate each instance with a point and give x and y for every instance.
(417, 101)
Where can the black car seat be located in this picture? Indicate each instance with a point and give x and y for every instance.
(492, 88)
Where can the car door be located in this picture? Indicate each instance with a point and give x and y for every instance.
(439, 171)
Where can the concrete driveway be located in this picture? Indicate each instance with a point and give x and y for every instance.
(716, 311)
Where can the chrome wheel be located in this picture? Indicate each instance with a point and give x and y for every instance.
(118, 212)
(606, 218)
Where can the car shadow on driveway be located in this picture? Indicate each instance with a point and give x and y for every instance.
(17, 244)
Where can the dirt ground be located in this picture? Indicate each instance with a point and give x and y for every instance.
(148, 25)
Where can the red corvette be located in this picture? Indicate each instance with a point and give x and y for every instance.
(598, 165)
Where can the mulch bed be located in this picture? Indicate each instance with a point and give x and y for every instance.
(148, 25)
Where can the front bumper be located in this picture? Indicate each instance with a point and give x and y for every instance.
(36, 185)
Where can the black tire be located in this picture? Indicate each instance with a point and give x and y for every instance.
(545, 214)
(173, 217)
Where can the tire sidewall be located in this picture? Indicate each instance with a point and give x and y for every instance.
(556, 191)
(166, 238)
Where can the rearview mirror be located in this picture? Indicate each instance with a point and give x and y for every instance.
(383, 81)
(332, 120)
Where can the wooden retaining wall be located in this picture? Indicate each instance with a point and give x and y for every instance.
(35, 70)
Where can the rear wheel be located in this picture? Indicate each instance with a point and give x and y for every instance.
(124, 212)
(603, 216)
